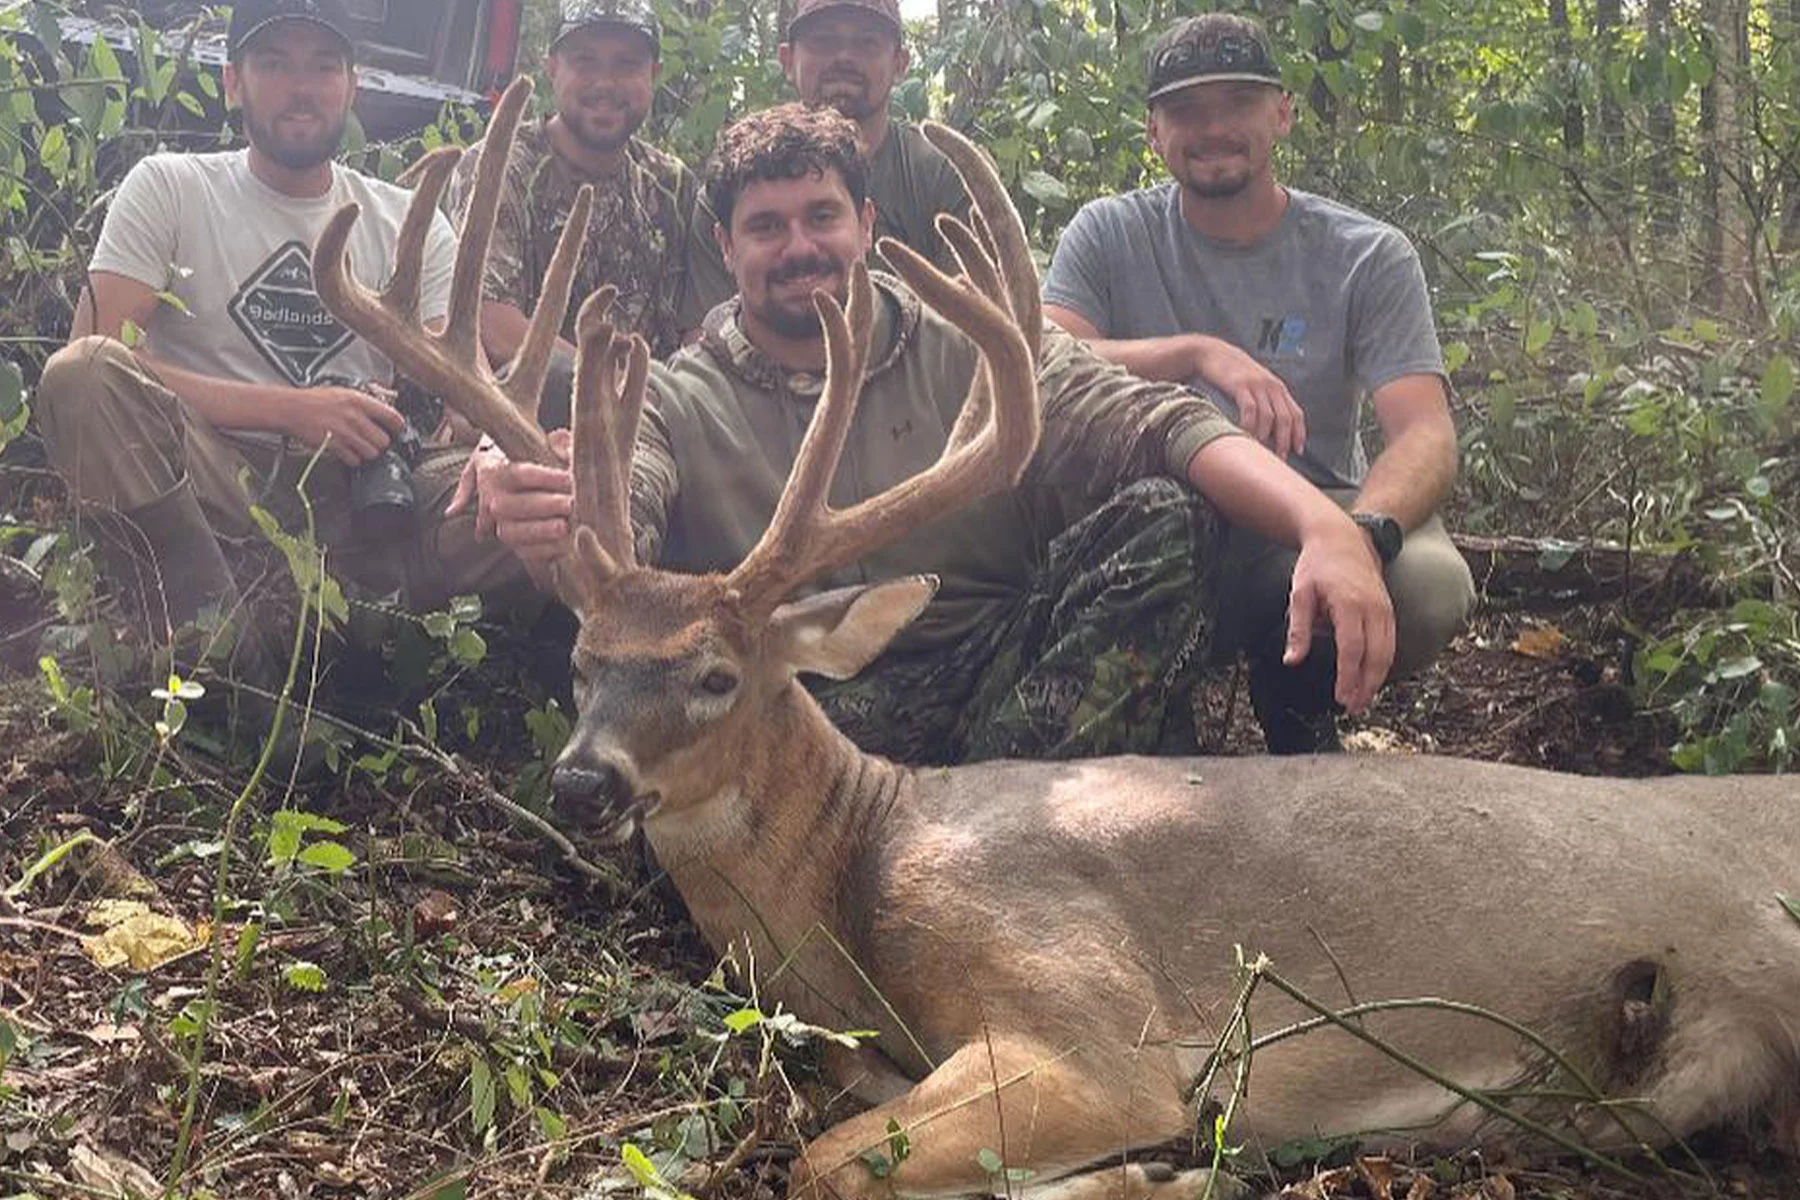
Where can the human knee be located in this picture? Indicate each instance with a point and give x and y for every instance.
(1433, 596)
(78, 385)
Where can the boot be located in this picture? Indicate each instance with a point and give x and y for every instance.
(166, 560)
(1295, 705)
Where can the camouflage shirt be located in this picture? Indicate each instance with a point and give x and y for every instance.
(651, 236)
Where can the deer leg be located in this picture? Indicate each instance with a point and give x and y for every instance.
(945, 1136)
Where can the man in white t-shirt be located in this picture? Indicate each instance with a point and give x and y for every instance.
(201, 349)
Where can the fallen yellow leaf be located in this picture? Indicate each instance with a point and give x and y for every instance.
(1540, 641)
(136, 937)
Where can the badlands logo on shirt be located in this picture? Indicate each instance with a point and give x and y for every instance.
(284, 318)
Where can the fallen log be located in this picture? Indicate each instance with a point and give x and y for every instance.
(1553, 573)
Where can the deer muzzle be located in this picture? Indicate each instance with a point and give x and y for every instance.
(597, 792)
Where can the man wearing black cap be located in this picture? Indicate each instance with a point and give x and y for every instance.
(1292, 306)
(202, 354)
(651, 234)
(849, 54)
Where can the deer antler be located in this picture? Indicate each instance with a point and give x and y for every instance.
(996, 304)
(452, 364)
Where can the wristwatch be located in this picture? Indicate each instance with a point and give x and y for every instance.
(1384, 531)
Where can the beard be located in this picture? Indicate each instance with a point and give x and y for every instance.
(803, 321)
(592, 134)
(296, 152)
(848, 94)
(1217, 188)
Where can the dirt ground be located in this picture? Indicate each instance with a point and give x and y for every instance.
(461, 1014)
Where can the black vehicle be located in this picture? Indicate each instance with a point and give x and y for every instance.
(413, 56)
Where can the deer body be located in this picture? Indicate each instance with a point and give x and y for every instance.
(1093, 907)
(1046, 951)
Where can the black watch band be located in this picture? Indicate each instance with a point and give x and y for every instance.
(1384, 532)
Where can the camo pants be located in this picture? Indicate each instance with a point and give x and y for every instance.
(1101, 656)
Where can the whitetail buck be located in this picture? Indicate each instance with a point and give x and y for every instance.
(1046, 950)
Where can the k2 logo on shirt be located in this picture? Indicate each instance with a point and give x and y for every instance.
(1282, 337)
(277, 309)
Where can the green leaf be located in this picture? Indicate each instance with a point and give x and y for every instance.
(304, 976)
(1537, 335)
(1787, 902)
(481, 1095)
(1045, 188)
(1777, 386)
(1455, 355)
(1371, 21)
(989, 1161)
(742, 1019)
(244, 956)
(468, 647)
(328, 856)
(53, 152)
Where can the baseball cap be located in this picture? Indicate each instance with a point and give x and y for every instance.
(887, 10)
(636, 15)
(251, 17)
(1211, 48)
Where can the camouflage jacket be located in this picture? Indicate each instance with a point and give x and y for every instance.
(651, 236)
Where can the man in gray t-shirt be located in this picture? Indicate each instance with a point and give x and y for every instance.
(1292, 306)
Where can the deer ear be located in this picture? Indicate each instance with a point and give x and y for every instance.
(837, 633)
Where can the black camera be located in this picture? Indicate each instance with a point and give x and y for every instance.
(381, 491)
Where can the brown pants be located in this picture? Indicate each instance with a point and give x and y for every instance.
(121, 440)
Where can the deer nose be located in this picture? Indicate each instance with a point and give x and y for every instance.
(590, 791)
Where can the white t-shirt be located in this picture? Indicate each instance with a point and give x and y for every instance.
(238, 256)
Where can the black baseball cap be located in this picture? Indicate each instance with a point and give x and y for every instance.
(251, 17)
(1211, 48)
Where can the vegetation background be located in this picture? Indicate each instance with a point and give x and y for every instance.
(1606, 196)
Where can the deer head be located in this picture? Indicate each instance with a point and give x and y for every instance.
(677, 675)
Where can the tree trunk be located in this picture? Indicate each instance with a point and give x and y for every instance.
(1615, 179)
(1787, 46)
(1574, 120)
(1665, 150)
(1727, 163)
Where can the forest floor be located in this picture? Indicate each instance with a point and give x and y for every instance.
(459, 1014)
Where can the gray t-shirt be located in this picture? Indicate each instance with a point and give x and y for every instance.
(1333, 301)
(235, 257)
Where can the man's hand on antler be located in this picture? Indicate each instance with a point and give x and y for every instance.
(525, 505)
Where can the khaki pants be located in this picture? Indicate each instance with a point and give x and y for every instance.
(1428, 582)
(121, 440)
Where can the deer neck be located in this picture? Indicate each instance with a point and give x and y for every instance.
(770, 864)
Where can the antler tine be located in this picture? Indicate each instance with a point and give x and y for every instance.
(525, 377)
(797, 542)
(998, 220)
(450, 365)
(430, 175)
(464, 325)
(606, 416)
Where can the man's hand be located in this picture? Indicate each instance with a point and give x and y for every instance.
(525, 505)
(1267, 411)
(354, 426)
(1338, 578)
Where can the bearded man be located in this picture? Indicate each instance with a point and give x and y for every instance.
(202, 360)
(650, 233)
(848, 55)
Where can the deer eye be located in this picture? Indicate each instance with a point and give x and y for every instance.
(718, 682)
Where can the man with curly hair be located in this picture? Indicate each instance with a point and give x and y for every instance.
(1075, 609)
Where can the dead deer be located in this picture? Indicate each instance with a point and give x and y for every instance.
(1046, 951)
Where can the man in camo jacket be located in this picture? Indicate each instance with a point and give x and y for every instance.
(651, 233)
